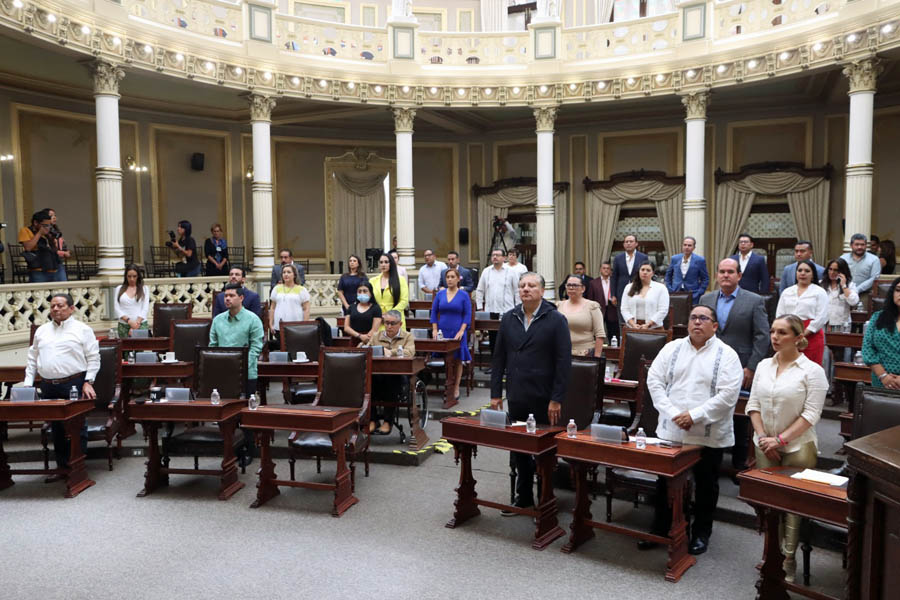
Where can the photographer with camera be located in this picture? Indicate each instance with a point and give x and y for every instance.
(39, 248)
(505, 234)
(59, 245)
(186, 249)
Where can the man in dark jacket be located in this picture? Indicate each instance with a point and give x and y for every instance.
(534, 351)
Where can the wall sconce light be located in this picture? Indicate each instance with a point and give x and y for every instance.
(6, 157)
(133, 166)
(250, 172)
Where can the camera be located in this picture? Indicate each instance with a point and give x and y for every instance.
(499, 224)
(171, 241)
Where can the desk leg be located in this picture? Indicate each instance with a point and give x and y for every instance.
(679, 559)
(581, 531)
(153, 476)
(343, 489)
(6, 479)
(448, 401)
(76, 479)
(417, 438)
(465, 491)
(266, 488)
(770, 585)
(128, 427)
(547, 527)
(229, 475)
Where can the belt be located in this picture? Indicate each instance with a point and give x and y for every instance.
(65, 379)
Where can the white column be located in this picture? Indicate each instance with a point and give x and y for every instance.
(263, 229)
(110, 224)
(858, 199)
(547, 12)
(401, 12)
(694, 161)
(546, 245)
(406, 229)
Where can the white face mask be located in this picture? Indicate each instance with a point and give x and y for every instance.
(364, 298)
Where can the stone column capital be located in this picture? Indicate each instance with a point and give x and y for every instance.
(863, 74)
(695, 105)
(403, 119)
(106, 77)
(261, 107)
(545, 117)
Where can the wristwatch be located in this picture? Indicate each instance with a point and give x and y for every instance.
(883, 375)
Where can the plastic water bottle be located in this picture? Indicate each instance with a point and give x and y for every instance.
(614, 342)
(440, 334)
(857, 358)
(254, 401)
(73, 393)
(530, 424)
(609, 371)
(113, 333)
(215, 398)
(640, 439)
(571, 429)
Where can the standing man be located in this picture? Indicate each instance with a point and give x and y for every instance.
(430, 273)
(251, 299)
(803, 250)
(39, 246)
(534, 351)
(864, 266)
(754, 272)
(687, 271)
(743, 326)
(512, 261)
(600, 291)
(287, 258)
(497, 290)
(466, 279)
(624, 266)
(65, 354)
(238, 327)
(578, 270)
(694, 383)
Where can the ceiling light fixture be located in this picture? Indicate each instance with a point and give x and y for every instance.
(601, 85)
(147, 49)
(208, 66)
(322, 83)
(295, 80)
(573, 86)
(753, 64)
(18, 3)
(461, 92)
(516, 90)
(405, 89)
(51, 18)
(543, 89)
(378, 89)
(660, 78)
(691, 73)
(852, 38)
(238, 71)
(351, 85)
(784, 56)
(630, 81)
(433, 90)
(721, 69)
(85, 30)
(179, 57)
(267, 75)
(116, 40)
(488, 91)
(887, 29)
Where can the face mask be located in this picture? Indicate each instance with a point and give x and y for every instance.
(364, 298)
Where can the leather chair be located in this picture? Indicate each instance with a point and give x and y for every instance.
(164, 313)
(106, 419)
(187, 334)
(637, 344)
(345, 381)
(880, 289)
(224, 369)
(875, 304)
(770, 301)
(300, 336)
(680, 305)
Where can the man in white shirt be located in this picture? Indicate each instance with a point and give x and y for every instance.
(864, 266)
(65, 354)
(430, 273)
(497, 290)
(694, 383)
(512, 261)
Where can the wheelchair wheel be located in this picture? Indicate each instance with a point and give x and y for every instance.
(421, 399)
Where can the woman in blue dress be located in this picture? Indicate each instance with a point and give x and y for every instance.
(451, 313)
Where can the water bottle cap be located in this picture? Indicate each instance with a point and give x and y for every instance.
(571, 420)
(530, 415)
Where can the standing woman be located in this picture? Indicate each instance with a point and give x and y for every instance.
(842, 294)
(888, 257)
(364, 317)
(807, 300)
(585, 319)
(391, 292)
(59, 245)
(289, 300)
(132, 302)
(645, 303)
(785, 404)
(186, 249)
(881, 344)
(451, 313)
(216, 251)
(350, 282)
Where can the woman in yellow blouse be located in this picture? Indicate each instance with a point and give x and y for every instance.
(391, 291)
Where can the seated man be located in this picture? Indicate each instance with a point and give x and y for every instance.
(251, 299)
(396, 341)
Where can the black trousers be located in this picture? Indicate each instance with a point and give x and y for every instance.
(741, 449)
(492, 335)
(61, 448)
(387, 388)
(706, 496)
(612, 329)
(525, 468)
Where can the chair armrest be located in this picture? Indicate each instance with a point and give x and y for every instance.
(318, 397)
(292, 437)
(364, 410)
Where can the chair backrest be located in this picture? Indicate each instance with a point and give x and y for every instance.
(584, 395)
(129, 255)
(110, 374)
(770, 301)
(187, 334)
(345, 376)
(301, 336)
(646, 415)
(637, 344)
(423, 314)
(164, 313)
(874, 409)
(224, 369)
(876, 304)
(680, 305)
(880, 289)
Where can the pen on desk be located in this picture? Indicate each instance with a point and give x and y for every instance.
(766, 471)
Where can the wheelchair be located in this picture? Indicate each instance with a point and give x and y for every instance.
(406, 398)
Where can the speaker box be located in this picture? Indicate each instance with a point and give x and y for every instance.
(463, 236)
(197, 161)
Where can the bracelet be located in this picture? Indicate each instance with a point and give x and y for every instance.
(883, 375)
(781, 440)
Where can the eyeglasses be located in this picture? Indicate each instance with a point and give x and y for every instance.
(700, 318)
(573, 285)
(391, 322)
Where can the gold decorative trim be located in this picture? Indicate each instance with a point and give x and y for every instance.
(106, 77)
(863, 74)
(695, 105)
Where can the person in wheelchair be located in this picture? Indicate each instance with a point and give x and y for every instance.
(396, 342)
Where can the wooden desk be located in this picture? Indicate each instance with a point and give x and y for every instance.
(226, 414)
(466, 433)
(285, 371)
(9, 376)
(180, 371)
(335, 422)
(771, 492)
(844, 340)
(72, 414)
(420, 305)
(859, 316)
(487, 325)
(612, 353)
(847, 375)
(671, 463)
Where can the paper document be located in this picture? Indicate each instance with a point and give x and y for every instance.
(519, 424)
(820, 477)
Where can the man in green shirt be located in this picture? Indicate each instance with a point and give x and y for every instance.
(238, 327)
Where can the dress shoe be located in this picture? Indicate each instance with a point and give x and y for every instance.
(508, 513)
(55, 477)
(647, 545)
(790, 569)
(698, 545)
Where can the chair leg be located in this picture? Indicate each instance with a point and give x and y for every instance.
(806, 547)
(109, 454)
(44, 442)
(318, 464)
(291, 462)
(366, 459)
(196, 463)
(609, 498)
(512, 480)
(352, 478)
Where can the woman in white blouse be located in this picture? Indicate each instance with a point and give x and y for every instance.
(841, 291)
(785, 404)
(290, 300)
(132, 302)
(808, 301)
(645, 303)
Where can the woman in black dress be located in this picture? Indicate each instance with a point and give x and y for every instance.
(364, 315)
(349, 282)
(216, 251)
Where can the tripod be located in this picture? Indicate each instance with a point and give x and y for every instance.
(497, 237)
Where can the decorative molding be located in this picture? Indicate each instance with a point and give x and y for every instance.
(106, 77)
(545, 117)
(477, 190)
(773, 167)
(863, 74)
(695, 104)
(403, 119)
(629, 176)
(261, 107)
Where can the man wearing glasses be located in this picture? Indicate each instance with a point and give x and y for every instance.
(694, 383)
(397, 342)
